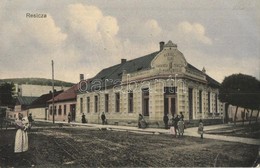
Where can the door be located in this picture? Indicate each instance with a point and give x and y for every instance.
(169, 105)
(73, 112)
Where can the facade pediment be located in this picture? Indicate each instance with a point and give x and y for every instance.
(169, 59)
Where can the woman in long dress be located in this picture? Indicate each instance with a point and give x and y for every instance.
(180, 127)
(21, 137)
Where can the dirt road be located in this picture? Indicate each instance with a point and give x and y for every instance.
(79, 146)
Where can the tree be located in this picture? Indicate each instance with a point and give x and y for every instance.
(240, 90)
(6, 94)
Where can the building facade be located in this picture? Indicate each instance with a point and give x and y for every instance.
(34, 90)
(39, 107)
(64, 104)
(158, 84)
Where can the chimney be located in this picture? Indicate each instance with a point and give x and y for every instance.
(161, 45)
(123, 61)
(81, 77)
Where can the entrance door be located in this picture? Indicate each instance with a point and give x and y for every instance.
(169, 105)
(73, 111)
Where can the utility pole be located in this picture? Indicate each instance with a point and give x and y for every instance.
(52, 65)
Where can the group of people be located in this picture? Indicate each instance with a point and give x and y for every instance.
(178, 125)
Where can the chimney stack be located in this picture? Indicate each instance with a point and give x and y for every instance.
(123, 61)
(81, 77)
(161, 45)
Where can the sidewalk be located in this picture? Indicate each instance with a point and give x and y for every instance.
(188, 132)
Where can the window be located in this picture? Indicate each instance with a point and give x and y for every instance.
(117, 102)
(209, 102)
(106, 102)
(65, 109)
(96, 104)
(55, 110)
(59, 110)
(190, 103)
(51, 110)
(81, 105)
(88, 104)
(216, 102)
(130, 102)
(200, 101)
(145, 94)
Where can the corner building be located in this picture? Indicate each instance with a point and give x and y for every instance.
(158, 84)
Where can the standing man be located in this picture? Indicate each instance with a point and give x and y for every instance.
(175, 124)
(182, 116)
(103, 118)
(69, 117)
(30, 120)
(165, 120)
(83, 119)
(200, 129)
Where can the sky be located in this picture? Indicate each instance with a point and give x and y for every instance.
(85, 36)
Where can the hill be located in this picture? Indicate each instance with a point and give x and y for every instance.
(37, 81)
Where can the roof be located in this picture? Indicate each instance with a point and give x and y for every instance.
(25, 100)
(212, 82)
(113, 73)
(70, 94)
(42, 100)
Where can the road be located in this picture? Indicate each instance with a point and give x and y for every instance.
(88, 147)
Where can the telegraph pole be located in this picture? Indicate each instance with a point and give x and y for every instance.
(52, 65)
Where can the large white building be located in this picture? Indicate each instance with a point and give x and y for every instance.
(160, 83)
(35, 90)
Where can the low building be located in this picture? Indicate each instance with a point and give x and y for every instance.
(22, 106)
(64, 104)
(39, 107)
(158, 84)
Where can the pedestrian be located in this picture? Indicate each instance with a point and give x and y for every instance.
(200, 129)
(69, 118)
(181, 116)
(180, 125)
(21, 136)
(175, 124)
(141, 121)
(243, 114)
(103, 118)
(166, 120)
(30, 120)
(83, 119)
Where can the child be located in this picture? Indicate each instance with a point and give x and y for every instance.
(200, 129)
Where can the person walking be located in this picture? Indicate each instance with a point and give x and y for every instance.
(200, 129)
(103, 118)
(166, 120)
(21, 136)
(180, 125)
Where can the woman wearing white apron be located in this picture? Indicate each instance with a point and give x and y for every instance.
(21, 137)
